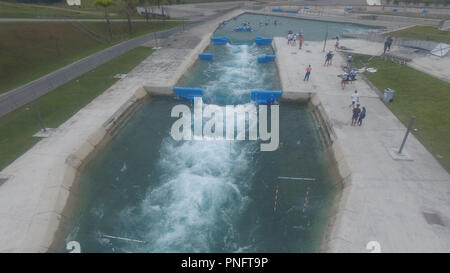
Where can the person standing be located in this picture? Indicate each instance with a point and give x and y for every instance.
(390, 41)
(356, 113)
(349, 61)
(336, 46)
(344, 81)
(300, 42)
(328, 58)
(386, 45)
(355, 99)
(308, 72)
(362, 116)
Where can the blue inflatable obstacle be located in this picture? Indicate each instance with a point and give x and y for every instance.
(277, 10)
(266, 58)
(188, 93)
(206, 56)
(291, 11)
(265, 96)
(263, 41)
(219, 40)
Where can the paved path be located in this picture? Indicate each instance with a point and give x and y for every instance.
(383, 200)
(26, 93)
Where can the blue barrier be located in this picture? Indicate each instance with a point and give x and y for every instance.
(266, 58)
(265, 96)
(277, 10)
(206, 56)
(349, 9)
(188, 93)
(219, 40)
(291, 11)
(395, 10)
(263, 41)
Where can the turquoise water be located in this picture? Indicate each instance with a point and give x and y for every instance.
(263, 25)
(233, 73)
(207, 196)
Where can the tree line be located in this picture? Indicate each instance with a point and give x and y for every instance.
(416, 2)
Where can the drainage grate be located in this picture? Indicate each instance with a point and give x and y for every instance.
(433, 218)
(3, 180)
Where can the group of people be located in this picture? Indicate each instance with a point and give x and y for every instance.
(267, 22)
(292, 39)
(358, 114)
(348, 77)
(244, 27)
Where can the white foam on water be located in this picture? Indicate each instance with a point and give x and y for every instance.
(199, 196)
(238, 74)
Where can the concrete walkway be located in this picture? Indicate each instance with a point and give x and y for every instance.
(35, 188)
(384, 199)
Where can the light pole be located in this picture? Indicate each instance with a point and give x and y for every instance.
(325, 42)
(39, 116)
(407, 133)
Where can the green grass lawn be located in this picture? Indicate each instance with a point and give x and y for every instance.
(17, 127)
(87, 10)
(418, 94)
(426, 33)
(21, 10)
(31, 50)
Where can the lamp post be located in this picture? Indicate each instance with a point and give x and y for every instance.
(39, 116)
(411, 122)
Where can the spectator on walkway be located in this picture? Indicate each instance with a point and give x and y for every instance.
(349, 61)
(356, 113)
(386, 45)
(336, 46)
(355, 99)
(308, 72)
(344, 81)
(328, 58)
(300, 42)
(390, 41)
(362, 116)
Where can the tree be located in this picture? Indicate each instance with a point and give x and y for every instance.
(145, 4)
(164, 2)
(129, 6)
(106, 4)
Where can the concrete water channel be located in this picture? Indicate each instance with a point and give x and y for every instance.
(145, 192)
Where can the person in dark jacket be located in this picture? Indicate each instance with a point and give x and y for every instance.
(362, 116)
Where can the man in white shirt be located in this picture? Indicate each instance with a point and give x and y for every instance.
(355, 99)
